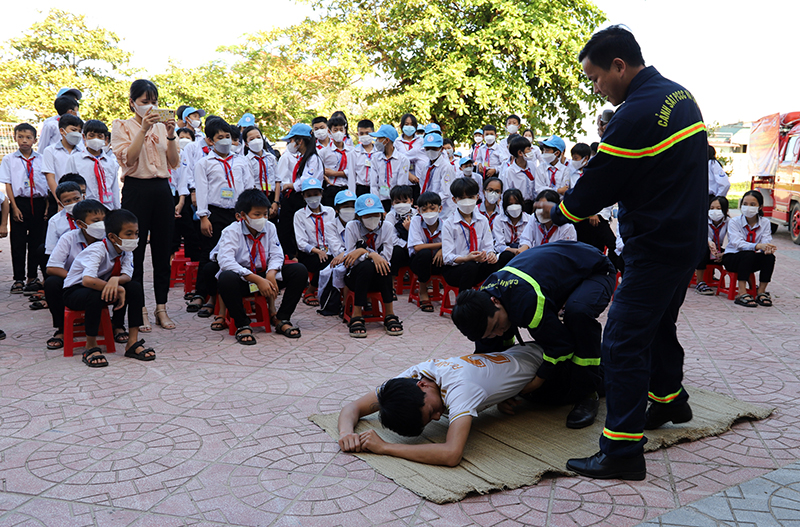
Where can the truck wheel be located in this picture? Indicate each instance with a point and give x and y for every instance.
(794, 223)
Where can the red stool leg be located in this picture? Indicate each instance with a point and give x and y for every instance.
(413, 293)
(447, 305)
(70, 317)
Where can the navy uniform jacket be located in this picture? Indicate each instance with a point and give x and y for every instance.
(535, 285)
(653, 160)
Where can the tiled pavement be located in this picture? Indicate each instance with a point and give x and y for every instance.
(214, 433)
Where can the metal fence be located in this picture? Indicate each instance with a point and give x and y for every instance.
(7, 143)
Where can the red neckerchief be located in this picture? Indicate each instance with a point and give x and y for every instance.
(263, 173)
(715, 237)
(431, 237)
(228, 171)
(751, 233)
(473, 235)
(206, 149)
(371, 236)
(294, 172)
(553, 171)
(528, 173)
(546, 235)
(409, 144)
(431, 170)
(514, 234)
(343, 159)
(100, 175)
(117, 269)
(29, 169)
(475, 152)
(389, 171)
(71, 222)
(257, 247)
(319, 227)
(490, 218)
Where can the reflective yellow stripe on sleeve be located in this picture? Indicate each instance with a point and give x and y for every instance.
(571, 217)
(585, 362)
(651, 151)
(537, 316)
(666, 398)
(621, 436)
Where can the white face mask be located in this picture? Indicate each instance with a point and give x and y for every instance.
(492, 197)
(313, 201)
(195, 124)
(95, 144)
(257, 224)
(750, 211)
(541, 216)
(512, 128)
(337, 137)
(549, 158)
(466, 206)
(579, 164)
(183, 142)
(514, 210)
(467, 171)
(256, 145)
(402, 208)
(142, 109)
(450, 153)
(715, 214)
(478, 139)
(291, 148)
(490, 139)
(530, 156)
(371, 223)
(69, 208)
(430, 218)
(128, 245)
(321, 134)
(96, 230)
(74, 138)
(433, 155)
(365, 139)
(347, 213)
(223, 146)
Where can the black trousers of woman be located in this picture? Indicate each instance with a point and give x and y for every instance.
(290, 204)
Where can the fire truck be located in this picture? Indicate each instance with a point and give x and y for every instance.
(774, 150)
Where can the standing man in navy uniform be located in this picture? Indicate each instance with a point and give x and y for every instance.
(653, 162)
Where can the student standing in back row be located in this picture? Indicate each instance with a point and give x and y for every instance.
(97, 168)
(66, 103)
(54, 159)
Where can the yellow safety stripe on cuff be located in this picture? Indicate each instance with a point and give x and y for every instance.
(651, 151)
(586, 362)
(666, 398)
(537, 316)
(571, 217)
(622, 436)
(557, 359)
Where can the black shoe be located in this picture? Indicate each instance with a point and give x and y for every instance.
(601, 466)
(659, 414)
(583, 413)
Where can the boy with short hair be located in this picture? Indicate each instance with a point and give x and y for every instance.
(391, 166)
(449, 148)
(98, 168)
(552, 173)
(339, 173)
(521, 174)
(362, 164)
(425, 244)
(400, 216)
(489, 157)
(101, 275)
(467, 242)
(55, 157)
(26, 188)
(68, 195)
(437, 174)
(512, 128)
(250, 257)
(191, 117)
(66, 102)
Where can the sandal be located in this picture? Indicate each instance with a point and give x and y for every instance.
(292, 332)
(33, 288)
(703, 289)
(246, 339)
(121, 336)
(358, 328)
(745, 300)
(426, 306)
(189, 296)
(206, 311)
(140, 355)
(392, 325)
(219, 326)
(18, 287)
(55, 342)
(94, 358)
(145, 327)
(168, 324)
(310, 299)
(36, 297)
(764, 299)
(39, 304)
(191, 307)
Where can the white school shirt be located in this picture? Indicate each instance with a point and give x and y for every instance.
(455, 237)
(49, 133)
(14, 170)
(505, 233)
(83, 163)
(384, 240)
(419, 233)
(97, 261)
(515, 177)
(190, 155)
(440, 177)
(212, 185)
(718, 238)
(55, 157)
(235, 244)
(313, 168)
(307, 235)
(57, 226)
(68, 248)
(492, 218)
(341, 160)
(413, 150)
(264, 176)
(391, 217)
(718, 182)
(532, 235)
(362, 165)
(738, 232)
(490, 157)
(472, 383)
(388, 172)
(340, 229)
(327, 155)
(546, 174)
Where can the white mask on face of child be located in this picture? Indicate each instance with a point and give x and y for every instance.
(492, 197)
(96, 230)
(257, 224)
(256, 145)
(549, 158)
(467, 171)
(430, 218)
(321, 134)
(195, 124)
(74, 138)
(402, 208)
(541, 216)
(347, 214)
(313, 201)
(466, 206)
(223, 146)
(291, 148)
(715, 214)
(69, 208)
(577, 165)
(371, 223)
(490, 139)
(337, 137)
(514, 210)
(750, 211)
(512, 128)
(183, 142)
(433, 155)
(128, 245)
(365, 139)
(95, 144)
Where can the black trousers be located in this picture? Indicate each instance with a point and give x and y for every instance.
(89, 301)
(54, 294)
(362, 189)
(219, 218)
(232, 289)
(422, 265)
(467, 275)
(27, 236)
(745, 262)
(363, 278)
(329, 194)
(400, 258)
(206, 284)
(186, 231)
(152, 203)
(313, 265)
(290, 204)
(503, 258)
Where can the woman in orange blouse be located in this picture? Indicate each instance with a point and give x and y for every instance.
(146, 151)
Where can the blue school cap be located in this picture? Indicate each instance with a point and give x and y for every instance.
(387, 131)
(432, 141)
(311, 184)
(433, 127)
(247, 119)
(555, 142)
(420, 128)
(368, 204)
(478, 132)
(190, 110)
(343, 196)
(298, 130)
(72, 92)
(464, 161)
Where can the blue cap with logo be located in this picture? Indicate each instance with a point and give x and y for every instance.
(555, 142)
(478, 132)
(247, 119)
(432, 141)
(343, 196)
(298, 130)
(465, 160)
(433, 127)
(72, 92)
(368, 204)
(387, 131)
(190, 110)
(311, 184)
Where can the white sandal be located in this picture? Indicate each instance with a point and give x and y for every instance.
(145, 327)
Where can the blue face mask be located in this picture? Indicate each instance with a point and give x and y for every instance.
(409, 130)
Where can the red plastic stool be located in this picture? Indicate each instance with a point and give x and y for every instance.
(436, 295)
(447, 305)
(708, 276)
(177, 273)
(400, 284)
(376, 314)
(71, 331)
(732, 289)
(261, 313)
(190, 277)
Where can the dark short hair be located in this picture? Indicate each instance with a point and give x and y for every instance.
(613, 42)
(491, 180)
(448, 141)
(712, 153)
(25, 127)
(235, 133)
(69, 120)
(519, 144)
(513, 116)
(116, 220)
(365, 123)
(185, 130)
(86, 207)
(319, 119)
(214, 126)
(581, 149)
(489, 128)
(401, 192)
(723, 203)
(429, 198)
(67, 186)
(471, 313)
(336, 121)
(75, 178)
(401, 402)
(464, 186)
(65, 103)
(550, 195)
(512, 193)
(594, 146)
(179, 111)
(95, 126)
(251, 198)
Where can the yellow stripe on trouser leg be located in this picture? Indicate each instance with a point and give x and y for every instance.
(621, 436)
(666, 399)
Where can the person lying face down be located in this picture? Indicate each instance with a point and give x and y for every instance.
(459, 387)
